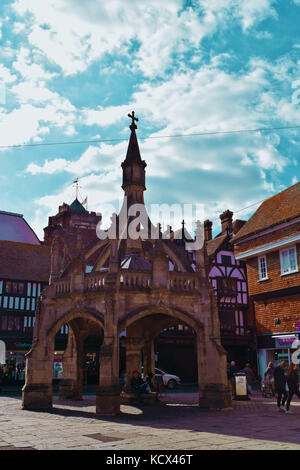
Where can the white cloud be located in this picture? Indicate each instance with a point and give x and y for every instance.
(5, 75)
(28, 122)
(37, 106)
(73, 34)
(18, 27)
(205, 100)
(104, 116)
(28, 67)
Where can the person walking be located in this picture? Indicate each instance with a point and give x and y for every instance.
(250, 376)
(280, 383)
(293, 384)
(269, 377)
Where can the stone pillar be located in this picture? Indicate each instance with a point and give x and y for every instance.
(37, 391)
(202, 364)
(214, 391)
(108, 394)
(70, 386)
(160, 263)
(133, 359)
(149, 358)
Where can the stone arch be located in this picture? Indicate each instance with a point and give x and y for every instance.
(140, 336)
(79, 322)
(174, 312)
(74, 314)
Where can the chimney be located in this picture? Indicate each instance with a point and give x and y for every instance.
(237, 225)
(207, 230)
(226, 221)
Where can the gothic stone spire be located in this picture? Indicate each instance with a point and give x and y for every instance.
(133, 166)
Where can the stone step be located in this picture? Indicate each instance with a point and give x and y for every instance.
(129, 398)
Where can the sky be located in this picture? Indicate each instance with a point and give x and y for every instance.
(73, 70)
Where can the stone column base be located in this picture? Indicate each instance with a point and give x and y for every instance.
(67, 390)
(215, 396)
(37, 397)
(108, 402)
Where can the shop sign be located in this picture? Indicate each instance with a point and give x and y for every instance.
(284, 341)
(23, 345)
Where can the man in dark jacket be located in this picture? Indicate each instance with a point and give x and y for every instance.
(280, 383)
(138, 386)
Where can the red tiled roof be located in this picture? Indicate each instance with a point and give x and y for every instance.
(275, 210)
(214, 244)
(23, 261)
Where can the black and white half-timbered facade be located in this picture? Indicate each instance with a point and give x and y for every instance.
(174, 346)
(228, 278)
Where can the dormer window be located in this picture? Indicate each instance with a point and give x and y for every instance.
(225, 259)
(288, 261)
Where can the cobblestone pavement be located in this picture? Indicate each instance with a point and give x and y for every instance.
(176, 423)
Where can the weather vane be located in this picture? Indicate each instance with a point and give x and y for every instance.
(133, 118)
(76, 184)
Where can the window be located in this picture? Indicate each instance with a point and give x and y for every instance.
(225, 259)
(64, 330)
(227, 286)
(33, 290)
(28, 289)
(288, 261)
(21, 287)
(262, 268)
(7, 287)
(28, 323)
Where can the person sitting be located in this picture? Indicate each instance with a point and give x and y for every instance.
(138, 386)
(149, 380)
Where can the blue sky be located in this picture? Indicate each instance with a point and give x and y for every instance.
(73, 70)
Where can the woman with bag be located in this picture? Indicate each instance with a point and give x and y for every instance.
(269, 377)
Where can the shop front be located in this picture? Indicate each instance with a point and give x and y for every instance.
(276, 348)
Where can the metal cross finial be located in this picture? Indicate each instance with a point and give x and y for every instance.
(133, 118)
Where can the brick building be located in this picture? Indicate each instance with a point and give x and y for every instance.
(269, 243)
(24, 271)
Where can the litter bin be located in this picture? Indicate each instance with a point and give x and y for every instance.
(240, 386)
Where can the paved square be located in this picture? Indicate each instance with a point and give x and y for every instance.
(176, 423)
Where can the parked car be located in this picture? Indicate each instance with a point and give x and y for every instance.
(171, 381)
